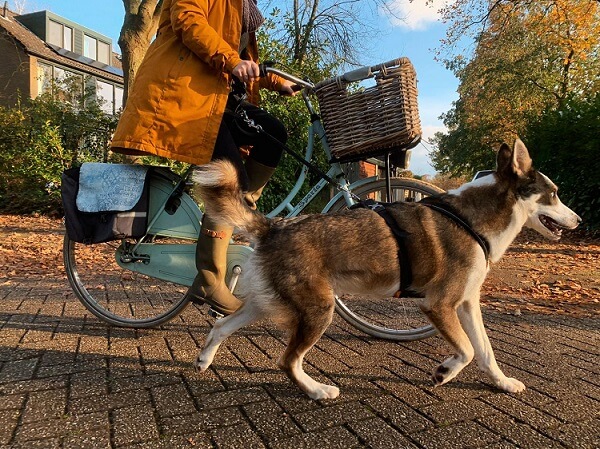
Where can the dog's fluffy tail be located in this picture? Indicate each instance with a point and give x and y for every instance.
(218, 186)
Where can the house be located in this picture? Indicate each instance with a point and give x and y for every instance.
(41, 50)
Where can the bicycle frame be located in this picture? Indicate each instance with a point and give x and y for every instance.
(174, 214)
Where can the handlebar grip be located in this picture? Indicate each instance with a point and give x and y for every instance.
(357, 74)
(262, 67)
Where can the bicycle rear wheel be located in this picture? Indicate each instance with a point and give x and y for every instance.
(398, 319)
(117, 296)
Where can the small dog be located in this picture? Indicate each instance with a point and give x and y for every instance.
(300, 264)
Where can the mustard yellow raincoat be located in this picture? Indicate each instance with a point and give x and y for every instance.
(180, 91)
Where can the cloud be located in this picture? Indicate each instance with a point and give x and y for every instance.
(416, 14)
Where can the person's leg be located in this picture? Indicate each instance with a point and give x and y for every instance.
(265, 154)
(211, 249)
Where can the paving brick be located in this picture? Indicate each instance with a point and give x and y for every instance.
(200, 421)
(271, 421)
(134, 424)
(581, 435)
(18, 370)
(172, 400)
(444, 413)
(398, 414)
(334, 438)
(236, 437)
(377, 434)
(8, 423)
(44, 405)
(462, 435)
(13, 401)
(522, 411)
(517, 432)
(333, 415)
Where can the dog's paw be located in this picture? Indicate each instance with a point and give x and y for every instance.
(511, 385)
(202, 363)
(440, 377)
(324, 392)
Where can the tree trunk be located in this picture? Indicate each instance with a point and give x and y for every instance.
(139, 27)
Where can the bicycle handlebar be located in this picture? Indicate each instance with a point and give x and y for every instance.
(362, 73)
(299, 83)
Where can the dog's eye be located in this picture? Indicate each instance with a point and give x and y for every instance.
(552, 195)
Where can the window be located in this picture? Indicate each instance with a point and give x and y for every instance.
(106, 96)
(68, 38)
(118, 98)
(44, 78)
(60, 35)
(62, 84)
(104, 52)
(90, 45)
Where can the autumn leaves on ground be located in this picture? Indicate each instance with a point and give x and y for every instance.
(535, 275)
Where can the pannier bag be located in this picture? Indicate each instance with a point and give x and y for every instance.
(104, 202)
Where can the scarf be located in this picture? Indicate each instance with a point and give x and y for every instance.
(252, 19)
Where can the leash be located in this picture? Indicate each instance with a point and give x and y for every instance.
(239, 93)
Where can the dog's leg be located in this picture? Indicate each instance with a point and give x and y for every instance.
(469, 313)
(223, 328)
(445, 320)
(304, 333)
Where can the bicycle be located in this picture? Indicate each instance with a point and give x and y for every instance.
(142, 283)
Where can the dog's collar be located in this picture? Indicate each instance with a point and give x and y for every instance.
(439, 205)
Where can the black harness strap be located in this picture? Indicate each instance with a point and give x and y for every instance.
(446, 209)
(400, 234)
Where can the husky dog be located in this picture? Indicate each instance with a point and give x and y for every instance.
(299, 265)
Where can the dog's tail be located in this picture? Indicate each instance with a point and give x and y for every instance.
(218, 186)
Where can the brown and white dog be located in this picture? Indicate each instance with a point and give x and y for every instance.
(300, 264)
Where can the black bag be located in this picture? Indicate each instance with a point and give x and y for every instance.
(104, 226)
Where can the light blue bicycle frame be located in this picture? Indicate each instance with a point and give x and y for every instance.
(175, 262)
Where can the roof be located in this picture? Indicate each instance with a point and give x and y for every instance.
(35, 46)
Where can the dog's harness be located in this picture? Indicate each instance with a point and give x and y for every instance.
(401, 235)
(437, 204)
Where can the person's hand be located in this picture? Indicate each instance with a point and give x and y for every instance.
(246, 71)
(286, 89)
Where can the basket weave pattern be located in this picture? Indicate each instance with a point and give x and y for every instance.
(373, 120)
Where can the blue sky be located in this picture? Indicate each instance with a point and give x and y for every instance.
(415, 37)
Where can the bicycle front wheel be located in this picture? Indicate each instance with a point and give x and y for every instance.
(398, 319)
(115, 295)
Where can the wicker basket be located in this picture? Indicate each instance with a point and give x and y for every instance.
(371, 121)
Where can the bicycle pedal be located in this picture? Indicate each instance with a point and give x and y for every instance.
(214, 314)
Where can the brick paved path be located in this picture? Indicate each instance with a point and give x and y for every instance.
(69, 381)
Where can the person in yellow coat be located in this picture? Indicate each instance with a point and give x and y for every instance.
(180, 105)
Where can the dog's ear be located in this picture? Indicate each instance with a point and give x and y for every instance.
(521, 162)
(504, 159)
(515, 161)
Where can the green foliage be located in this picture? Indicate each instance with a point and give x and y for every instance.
(39, 139)
(293, 114)
(565, 145)
(533, 74)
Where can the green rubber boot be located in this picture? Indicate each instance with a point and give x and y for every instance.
(211, 261)
(258, 176)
